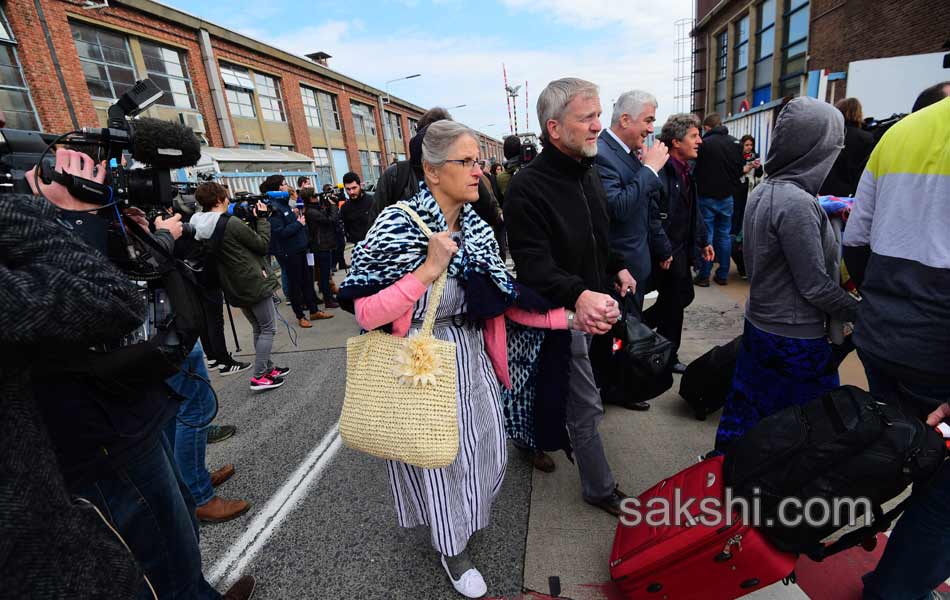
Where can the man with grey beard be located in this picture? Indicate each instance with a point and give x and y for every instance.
(556, 212)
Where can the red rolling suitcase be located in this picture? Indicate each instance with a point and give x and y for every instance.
(697, 558)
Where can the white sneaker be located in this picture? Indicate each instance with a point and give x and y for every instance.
(471, 584)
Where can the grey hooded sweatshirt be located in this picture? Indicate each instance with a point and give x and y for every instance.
(791, 249)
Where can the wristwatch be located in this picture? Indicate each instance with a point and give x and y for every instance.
(570, 320)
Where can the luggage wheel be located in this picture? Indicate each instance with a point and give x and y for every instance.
(792, 578)
(869, 543)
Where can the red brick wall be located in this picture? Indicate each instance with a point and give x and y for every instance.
(48, 96)
(863, 29)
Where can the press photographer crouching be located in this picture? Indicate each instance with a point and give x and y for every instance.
(105, 403)
(240, 251)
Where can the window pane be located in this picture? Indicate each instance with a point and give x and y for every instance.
(766, 43)
(739, 81)
(763, 72)
(720, 107)
(791, 87)
(21, 120)
(721, 90)
(87, 50)
(797, 26)
(742, 29)
(5, 33)
(14, 100)
(121, 75)
(766, 13)
(793, 4)
(11, 77)
(742, 56)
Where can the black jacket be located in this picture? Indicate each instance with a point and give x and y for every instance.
(65, 294)
(556, 213)
(287, 235)
(682, 222)
(719, 164)
(358, 216)
(322, 219)
(846, 172)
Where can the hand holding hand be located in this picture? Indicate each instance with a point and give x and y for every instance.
(665, 264)
(596, 313)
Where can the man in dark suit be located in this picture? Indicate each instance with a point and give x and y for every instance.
(630, 176)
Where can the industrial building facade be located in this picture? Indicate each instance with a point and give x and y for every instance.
(63, 65)
(748, 54)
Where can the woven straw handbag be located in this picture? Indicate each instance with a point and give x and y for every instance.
(400, 402)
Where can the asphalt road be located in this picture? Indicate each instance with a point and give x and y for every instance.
(322, 524)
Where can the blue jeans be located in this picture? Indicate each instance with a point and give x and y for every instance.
(149, 505)
(188, 443)
(717, 213)
(917, 557)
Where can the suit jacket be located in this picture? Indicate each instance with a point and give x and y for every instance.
(632, 191)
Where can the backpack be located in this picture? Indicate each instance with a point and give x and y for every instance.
(844, 444)
(203, 259)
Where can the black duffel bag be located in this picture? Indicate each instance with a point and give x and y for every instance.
(845, 444)
(708, 379)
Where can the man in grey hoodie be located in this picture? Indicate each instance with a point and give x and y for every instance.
(792, 256)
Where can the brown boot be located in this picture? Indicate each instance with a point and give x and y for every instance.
(218, 510)
(243, 589)
(303, 322)
(543, 462)
(320, 315)
(221, 475)
(334, 290)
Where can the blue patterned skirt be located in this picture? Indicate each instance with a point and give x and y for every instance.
(773, 372)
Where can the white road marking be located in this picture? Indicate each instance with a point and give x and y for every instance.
(229, 567)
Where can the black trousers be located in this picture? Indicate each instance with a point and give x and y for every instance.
(676, 293)
(212, 339)
(300, 281)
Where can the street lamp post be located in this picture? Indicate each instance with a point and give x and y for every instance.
(383, 101)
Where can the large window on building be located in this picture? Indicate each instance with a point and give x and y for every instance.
(364, 164)
(106, 60)
(311, 109)
(169, 69)
(268, 94)
(740, 73)
(321, 157)
(239, 90)
(413, 127)
(764, 51)
(364, 123)
(331, 113)
(796, 46)
(393, 127)
(722, 67)
(14, 94)
(375, 160)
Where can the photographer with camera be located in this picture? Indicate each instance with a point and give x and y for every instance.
(240, 259)
(322, 217)
(289, 244)
(105, 406)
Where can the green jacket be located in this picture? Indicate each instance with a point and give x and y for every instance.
(504, 178)
(243, 268)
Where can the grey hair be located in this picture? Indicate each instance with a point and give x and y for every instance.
(677, 126)
(632, 103)
(439, 137)
(557, 95)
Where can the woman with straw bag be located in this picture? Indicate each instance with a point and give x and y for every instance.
(436, 238)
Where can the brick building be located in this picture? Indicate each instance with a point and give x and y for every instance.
(756, 52)
(63, 65)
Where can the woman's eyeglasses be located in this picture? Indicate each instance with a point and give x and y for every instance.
(467, 163)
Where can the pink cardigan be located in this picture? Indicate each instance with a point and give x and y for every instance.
(395, 303)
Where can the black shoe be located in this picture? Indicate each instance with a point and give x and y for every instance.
(721, 281)
(701, 281)
(679, 368)
(219, 433)
(232, 366)
(611, 503)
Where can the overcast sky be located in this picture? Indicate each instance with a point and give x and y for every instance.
(458, 47)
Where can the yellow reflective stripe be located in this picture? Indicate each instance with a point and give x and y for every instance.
(919, 144)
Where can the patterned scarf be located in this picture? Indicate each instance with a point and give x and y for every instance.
(396, 246)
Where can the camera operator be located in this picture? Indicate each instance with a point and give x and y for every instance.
(240, 258)
(289, 244)
(322, 217)
(106, 427)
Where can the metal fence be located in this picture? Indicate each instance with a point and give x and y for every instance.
(251, 181)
